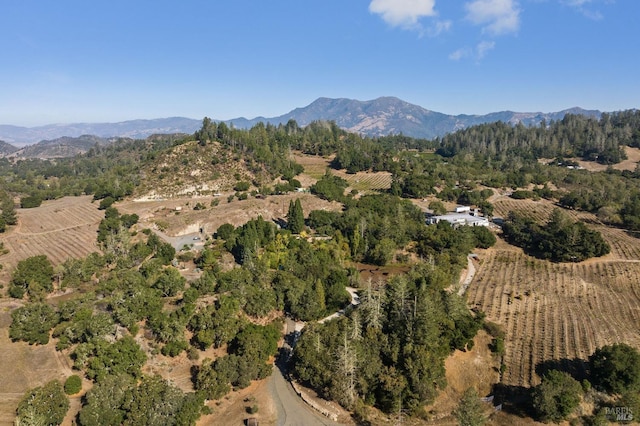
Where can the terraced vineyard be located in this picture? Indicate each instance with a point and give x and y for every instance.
(557, 314)
(60, 229)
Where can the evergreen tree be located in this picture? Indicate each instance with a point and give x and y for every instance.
(295, 217)
(469, 410)
(8, 212)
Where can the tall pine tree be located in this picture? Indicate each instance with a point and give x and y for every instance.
(295, 217)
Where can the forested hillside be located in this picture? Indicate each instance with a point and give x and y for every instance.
(129, 304)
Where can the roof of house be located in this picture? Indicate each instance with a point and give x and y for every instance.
(461, 217)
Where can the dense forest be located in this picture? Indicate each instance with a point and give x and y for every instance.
(130, 302)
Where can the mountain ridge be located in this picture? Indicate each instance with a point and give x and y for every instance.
(378, 117)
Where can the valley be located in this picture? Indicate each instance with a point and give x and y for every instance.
(203, 249)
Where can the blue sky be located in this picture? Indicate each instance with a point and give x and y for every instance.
(95, 61)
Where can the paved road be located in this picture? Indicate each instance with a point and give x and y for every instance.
(292, 410)
(355, 301)
(471, 272)
(180, 241)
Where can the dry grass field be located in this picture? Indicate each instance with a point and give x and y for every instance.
(25, 366)
(188, 220)
(556, 314)
(633, 157)
(60, 229)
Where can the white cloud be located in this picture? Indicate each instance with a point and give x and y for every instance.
(439, 28)
(483, 47)
(477, 53)
(403, 13)
(496, 16)
(460, 54)
(576, 3)
(581, 6)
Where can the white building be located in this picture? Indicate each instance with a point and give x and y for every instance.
(461, 217)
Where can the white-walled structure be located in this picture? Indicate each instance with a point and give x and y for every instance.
(461, 217)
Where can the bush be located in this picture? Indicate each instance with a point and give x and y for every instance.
(241, 186)
(30, 202)
(73, 385)
(106, 202)
(225, 231)
(484, 237)
(469, 410)
(616, 368)
(557, 396)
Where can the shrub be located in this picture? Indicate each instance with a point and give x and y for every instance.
(73, 385)
(557, 396)
(616, 368)
(241, 186)
(30, 202)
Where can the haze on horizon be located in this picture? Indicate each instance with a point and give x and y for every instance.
(70, 62)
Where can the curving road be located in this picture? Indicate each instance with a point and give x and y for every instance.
(471, 272)
(292, 410)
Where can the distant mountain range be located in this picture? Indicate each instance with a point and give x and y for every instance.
(378, 117)
(389, 115)
(6, 148)
(63, 147)
(135, 129)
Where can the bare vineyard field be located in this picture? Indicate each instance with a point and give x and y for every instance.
(557, 314)
(624, 247)
(60, 229)
(316, 166)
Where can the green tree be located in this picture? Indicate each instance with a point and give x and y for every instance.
(73, 385)
(484, 237)
(104, 405)
(437, 207)
(225, 231)
(101, 358)
(616, 368)
(469, 409)
(30, 202)
(33, 275)
(169, 282)
(557, 396)
(33, 323)
(295, 217)
(45, 405)
(8, 211)
(154, 402)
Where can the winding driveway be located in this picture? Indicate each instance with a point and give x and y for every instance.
(292, 410)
